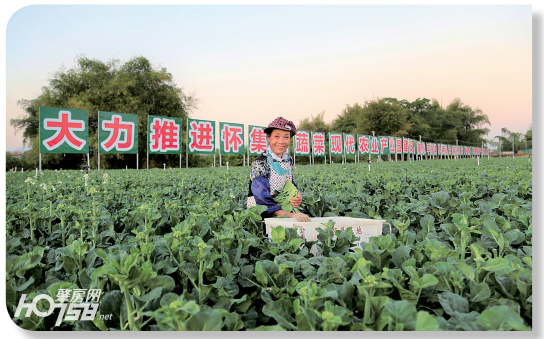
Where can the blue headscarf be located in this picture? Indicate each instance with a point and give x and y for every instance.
(274, 161)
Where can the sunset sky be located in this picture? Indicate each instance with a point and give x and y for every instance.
(251, 63)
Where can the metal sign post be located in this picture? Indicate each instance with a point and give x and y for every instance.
(86, 168)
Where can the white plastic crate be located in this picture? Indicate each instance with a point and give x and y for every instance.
(362, 228)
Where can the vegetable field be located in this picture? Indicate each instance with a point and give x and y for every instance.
(177, 249)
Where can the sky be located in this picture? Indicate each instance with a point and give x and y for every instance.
(252, 63)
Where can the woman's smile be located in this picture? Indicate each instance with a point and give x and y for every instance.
(279, 141)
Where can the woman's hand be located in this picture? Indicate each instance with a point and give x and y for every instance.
(296, 201)
(299, 216)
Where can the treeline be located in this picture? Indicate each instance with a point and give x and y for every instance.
(510, 141)
(422, 117)
(25, 161)
(402, 118)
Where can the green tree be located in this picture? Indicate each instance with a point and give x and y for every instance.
(346, 122)
(12, 162)
(513, 141)
(469, 123)
(529, 137)
(384, 117)
(422, 117)
(517, 139)
(135, 87)
(421, 114)
(314, 124)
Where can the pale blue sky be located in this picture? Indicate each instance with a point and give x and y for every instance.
(251, 63)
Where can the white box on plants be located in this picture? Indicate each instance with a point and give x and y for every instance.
(362, 228)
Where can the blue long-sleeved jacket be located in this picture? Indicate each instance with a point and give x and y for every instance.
(259, 185)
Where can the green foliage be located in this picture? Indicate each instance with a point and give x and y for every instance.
(315, 124)
(282, 197)
(513, 141)
(384, 118)
(177, 249)
(390, 116)
(12, 161)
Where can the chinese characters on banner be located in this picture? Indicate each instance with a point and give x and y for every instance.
(318, 144)
(374, 146)
(411, 146)
(335, 143)
(257, 140)
(63, 130)
(164, 135)
(364, 144)
(302, 143)
(384, 144)
(117, 132)
(392, 146)
(349, 144)
(67, 131)
(429, 149)
(200, 136)
(231, 138)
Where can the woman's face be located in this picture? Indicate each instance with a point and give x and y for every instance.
(279, 141)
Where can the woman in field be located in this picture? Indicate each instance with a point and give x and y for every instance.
(271, 170)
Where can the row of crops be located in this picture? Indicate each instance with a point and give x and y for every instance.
(177, 250)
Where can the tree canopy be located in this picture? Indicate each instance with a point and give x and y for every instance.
(135, 86)
(315, 124)
(515, 141)
(390, 116)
